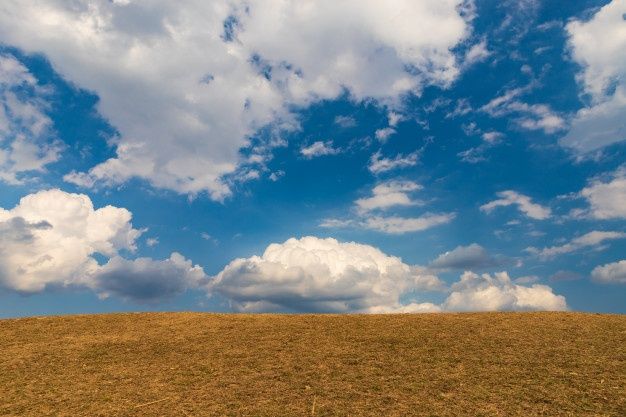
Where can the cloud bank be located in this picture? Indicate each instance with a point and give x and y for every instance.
(314, 274)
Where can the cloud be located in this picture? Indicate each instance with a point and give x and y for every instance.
(318, 148)
(400, 225)
(389, 194)
(325, 275)
(145, 279)
(477, 53)
(468, 257)
(563, 275)
(613, 273)
(523, 203)
(588, 240)
(599, 46)
(385, 133)
(50, 240)
(473, 155)
(313, 274)
(492, 136)
(345, 121)
(379, 164)
(528, 116)
(61, 253)
(607, 200)
(477, 154)
(187, 84)
(393, 225)
(27, 142)
(497, 292)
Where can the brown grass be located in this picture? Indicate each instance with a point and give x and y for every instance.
(188, 364)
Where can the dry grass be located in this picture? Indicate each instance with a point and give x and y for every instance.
(187, 364)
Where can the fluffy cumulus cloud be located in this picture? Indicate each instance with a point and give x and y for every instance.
(187, 84)
(599, 46)
(487, 292)
(523, 203)
(50, 238)
(27, 142)
(313, 274)
(613, 273)
(607, 200)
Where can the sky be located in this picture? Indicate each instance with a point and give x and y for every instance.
(312, 156)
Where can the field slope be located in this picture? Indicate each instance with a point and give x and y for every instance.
(191, 364)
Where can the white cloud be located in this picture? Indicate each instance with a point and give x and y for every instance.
(468, 257)
(27, 142)
(400, 225)
(389, 194)
(607, 200)
(527, 116)
(51, 237)
(275, 176)
(60, 253)
(336, 223)
(385, 133)
(394, 225)
(497, 292)
(613, 273)
(186, 96)
(477, 53)
(492, 136)
(477, 154)
(345, 121)
(379, 164)
(318, 148)
(313, 274)
(324, 275)
(152, 241)
(523, 203)
(473, 155)
(599, 46)
(588, 240)
(385, 196)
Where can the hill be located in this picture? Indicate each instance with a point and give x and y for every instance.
(193, 364)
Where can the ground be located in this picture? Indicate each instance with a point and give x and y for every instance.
(194, 364)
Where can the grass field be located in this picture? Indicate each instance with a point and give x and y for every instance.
(191, 364)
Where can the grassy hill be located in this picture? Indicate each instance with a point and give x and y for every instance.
(189, 364)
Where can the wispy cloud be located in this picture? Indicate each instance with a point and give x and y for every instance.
(319, 148)
(592, 239)
(523, 203)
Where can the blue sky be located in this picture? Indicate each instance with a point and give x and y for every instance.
(429, 156)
